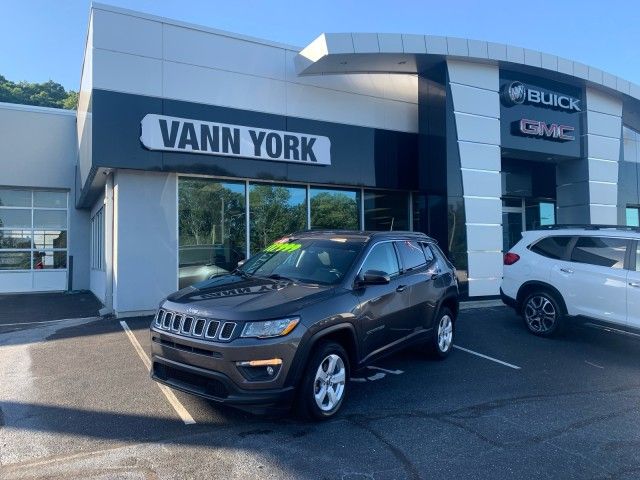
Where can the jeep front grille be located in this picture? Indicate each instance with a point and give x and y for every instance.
(194, 327)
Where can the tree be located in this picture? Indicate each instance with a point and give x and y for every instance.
(47, 94)
(334, 211)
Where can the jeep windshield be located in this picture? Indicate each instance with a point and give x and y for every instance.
(321, 261)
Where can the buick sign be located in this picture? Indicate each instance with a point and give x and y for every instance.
(516, 93)
(161, 132)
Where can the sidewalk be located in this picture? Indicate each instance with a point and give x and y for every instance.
(41, 307)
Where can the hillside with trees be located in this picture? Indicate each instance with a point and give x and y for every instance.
(47, 94)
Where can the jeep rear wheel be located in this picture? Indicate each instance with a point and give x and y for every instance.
(441, 341)
(324, 385)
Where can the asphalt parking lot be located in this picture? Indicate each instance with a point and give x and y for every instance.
(76, 402)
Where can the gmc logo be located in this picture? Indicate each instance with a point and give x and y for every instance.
(552, 131)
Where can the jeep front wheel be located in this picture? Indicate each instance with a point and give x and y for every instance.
(324, 385)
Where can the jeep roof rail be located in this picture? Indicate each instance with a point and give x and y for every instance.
(585, 226)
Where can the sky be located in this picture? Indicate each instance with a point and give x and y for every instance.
(44, 39)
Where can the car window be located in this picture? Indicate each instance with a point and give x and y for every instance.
(552, 247)
(383, 258)
(428, 253)
(442, 258)
(601, 251)
(412, 255)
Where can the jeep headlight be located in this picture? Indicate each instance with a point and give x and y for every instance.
(270, 328)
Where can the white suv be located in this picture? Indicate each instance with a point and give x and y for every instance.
(587, 273)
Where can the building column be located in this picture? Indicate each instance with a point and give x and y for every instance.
(145, 241)
(476, 104)
(587, 190)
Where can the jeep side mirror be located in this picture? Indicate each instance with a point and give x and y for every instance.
(374, 277)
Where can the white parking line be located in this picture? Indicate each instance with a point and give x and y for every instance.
(515, 367)
(593, 364)
(182, 412)
(394, 372)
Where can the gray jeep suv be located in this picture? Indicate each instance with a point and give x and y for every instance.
(291, 324)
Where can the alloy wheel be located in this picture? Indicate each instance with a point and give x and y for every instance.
(328, 386)
(540, 314)
(445, 333)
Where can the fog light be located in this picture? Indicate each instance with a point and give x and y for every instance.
(260, 370)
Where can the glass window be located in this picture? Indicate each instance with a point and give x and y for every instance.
(212, 228)
(382, 258)
(547, 213)
(601, 251)
(552, 247)
(48, 239)
(15, 239)
(428, 252)
(49, 260)
(35, 232)
(15, 218)
(50, 219)
(633, 216)
(412, 255)
(334, 209)
(15, 198)
(386, 211)
(49, 199)
(97, 240)
(276, 210)
(15, 260)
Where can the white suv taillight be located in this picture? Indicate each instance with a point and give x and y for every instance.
(511, 258)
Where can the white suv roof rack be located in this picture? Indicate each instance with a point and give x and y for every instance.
(622, 228)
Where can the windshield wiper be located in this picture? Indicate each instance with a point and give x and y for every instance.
(241, 273)
(277, 276)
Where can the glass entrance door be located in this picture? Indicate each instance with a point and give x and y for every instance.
(513, 224)
(520, 214)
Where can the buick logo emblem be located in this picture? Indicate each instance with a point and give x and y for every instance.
(514, 93)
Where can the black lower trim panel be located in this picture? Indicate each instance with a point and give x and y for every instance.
(216, 386)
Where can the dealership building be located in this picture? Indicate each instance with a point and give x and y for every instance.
(193, 148)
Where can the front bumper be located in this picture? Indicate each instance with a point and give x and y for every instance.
(217, 386)
(208, 369)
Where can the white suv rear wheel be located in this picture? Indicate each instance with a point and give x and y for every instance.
(542, 314)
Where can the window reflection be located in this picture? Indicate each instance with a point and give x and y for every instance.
(33, 238)
(276, 210)
(334, 209)
(211, 228)
(15, 260)
(44, 239)
(386, 210)
(15, 238)
(49, 260)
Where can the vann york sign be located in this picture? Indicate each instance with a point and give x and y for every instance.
(161, 132)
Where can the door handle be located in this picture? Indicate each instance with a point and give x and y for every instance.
(401, 288)
(566, 270)
(635, 285)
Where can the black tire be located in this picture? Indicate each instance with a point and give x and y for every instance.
(542, 313)
(439, 347)
(307, 405)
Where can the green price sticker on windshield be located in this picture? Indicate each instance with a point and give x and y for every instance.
(283, 247)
